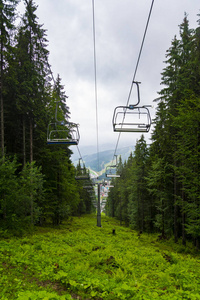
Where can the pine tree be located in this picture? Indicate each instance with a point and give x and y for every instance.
(178, 78)
(188, 150)
(139, 203)
(32, 95)
(7, 16)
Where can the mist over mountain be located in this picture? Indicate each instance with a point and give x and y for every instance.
(105, 158)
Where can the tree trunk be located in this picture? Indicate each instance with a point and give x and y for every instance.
(113, 207)
(183, 229)
(24, 142)
(142, 202)
(163, 220)
(175, 211)
(2, 127)
(98, 208)
(183, 221)
(31, 140)
(2, 105)
(57, 217)
(31, 160)
(175, 222)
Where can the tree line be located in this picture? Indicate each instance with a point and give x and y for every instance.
(159, 188)
(37, 181)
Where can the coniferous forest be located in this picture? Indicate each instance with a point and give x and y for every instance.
(159, 187)
(37, 181)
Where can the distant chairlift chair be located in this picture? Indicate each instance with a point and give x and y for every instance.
(82, 175)
(111, 172)
(62, 132)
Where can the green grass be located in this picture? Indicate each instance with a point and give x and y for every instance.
(82, 261)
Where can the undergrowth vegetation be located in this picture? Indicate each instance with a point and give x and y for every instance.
(79, 260)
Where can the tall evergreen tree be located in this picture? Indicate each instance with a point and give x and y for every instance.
(178, 78)
(139, 203)
(7, 16)
(32, 77)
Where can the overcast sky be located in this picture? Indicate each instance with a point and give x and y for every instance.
(120, 27)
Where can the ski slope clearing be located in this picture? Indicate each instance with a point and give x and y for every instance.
(79, 260)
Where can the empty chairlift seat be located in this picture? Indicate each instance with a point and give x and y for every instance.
(82, 174)
(131, 118)
(111, 172)
(62, 132)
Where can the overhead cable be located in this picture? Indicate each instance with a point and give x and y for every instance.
(135, 71)
(95, 81)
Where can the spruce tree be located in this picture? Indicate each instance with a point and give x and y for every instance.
(32, 94)
(138, 200)
(7, 16)
(168, 137)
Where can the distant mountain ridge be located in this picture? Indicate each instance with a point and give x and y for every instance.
(105, 158)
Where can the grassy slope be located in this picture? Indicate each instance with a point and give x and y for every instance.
(83, 261)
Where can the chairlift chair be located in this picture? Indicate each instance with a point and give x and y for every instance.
(88, 187)
(90, 191)
(111, 172)
(63, 133)
(131, 118)
(82, 175)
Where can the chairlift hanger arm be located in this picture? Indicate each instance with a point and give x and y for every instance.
(56, 113)
(131, 106)
(138, 92)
